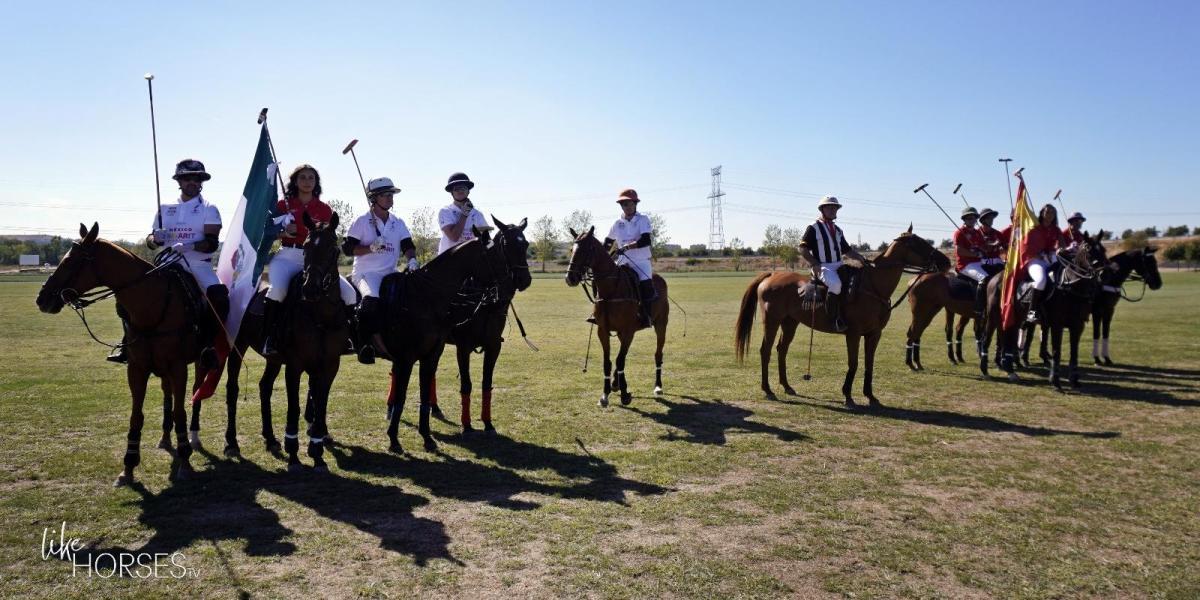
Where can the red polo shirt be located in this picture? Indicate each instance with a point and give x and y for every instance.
(318, 211)
(966, 239)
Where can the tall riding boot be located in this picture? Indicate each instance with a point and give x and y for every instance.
(834, 302)
(271, 310)
(120, 354)
(1035, 306)
(352, 342)
(218, 297)
(368, 312)
(981, 298)
(647, 296)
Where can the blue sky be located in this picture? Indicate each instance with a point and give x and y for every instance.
(552, 107)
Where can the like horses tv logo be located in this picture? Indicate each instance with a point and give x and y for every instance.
(106, 564)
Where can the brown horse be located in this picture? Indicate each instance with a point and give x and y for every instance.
(928, 294)
(164, 332)
(616, 309)
(866, 311)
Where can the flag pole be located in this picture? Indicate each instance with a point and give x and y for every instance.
(262, 120)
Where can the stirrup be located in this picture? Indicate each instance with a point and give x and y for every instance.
(269, 348)
(839, 325)
(208, 358)
(1033, 317)
(118, 355)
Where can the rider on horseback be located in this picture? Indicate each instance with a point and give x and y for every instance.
(191, 227)
(631, 236)
(1039, 253)
(301, 197)
(457, 218)
(972, 251)
(375, 240)
(823, 247)
(1073, 234)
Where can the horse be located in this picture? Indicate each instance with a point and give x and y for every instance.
(1066, 306)
(169, 323)
(928, 294)
(316, 332)
(416, 309)
(1120, 267)
(481, 326)
(616, 309)
(866, 310)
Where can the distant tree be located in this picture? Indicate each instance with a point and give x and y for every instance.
(1125, 234)
(345, 213)
(1193, 252)
(1151, 231)
(789, 250)
(425, 234)
(946, 244)
(698, 250)
(658, 236)
(1104, 235)
(1177, 231)
(578, 220)
(735, 253)
(1176, 252)
(1196, 231)
(545, 238)
(772, 242)
(882, 246)
(1135, 241)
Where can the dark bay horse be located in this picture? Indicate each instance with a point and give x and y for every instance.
(616, 309)
(165, 333)
(1066, 306)
(1120, 267)
(417, 322)
(316, 330)
(866, 312)
(481, 326)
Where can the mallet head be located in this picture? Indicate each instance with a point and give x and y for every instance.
(807, 377)
(349, 146)
(956, 188)
(1017, 173)
(1057, 194)
(148, 76)
(262, 115)
(923, 186)
(1005, 160)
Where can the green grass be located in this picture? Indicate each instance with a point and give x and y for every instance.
(961, 488)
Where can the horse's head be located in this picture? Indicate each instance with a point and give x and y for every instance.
(916, 252)
(1147, 267)
(75, 275)
(515, 248)
(1097, 256)
(586, 250)
(320, 259)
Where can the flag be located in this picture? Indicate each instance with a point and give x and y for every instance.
(1023, 222)
(245, 252)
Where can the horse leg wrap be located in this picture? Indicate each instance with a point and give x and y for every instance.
(1095, 348)
(1104, 347)
(466, 408)
(291, 443)
(486, 412)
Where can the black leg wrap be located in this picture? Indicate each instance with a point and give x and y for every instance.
(291, 444)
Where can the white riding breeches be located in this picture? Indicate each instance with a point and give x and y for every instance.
(368, 283)
(202, 270)
(975, 271)
(1038, 270)
(283, 267)
(642, 267)
(829, 275)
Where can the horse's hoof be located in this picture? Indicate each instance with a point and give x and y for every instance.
(787, 389)
(467, 429)
(1108, 362)
(437, 412)
(850, 403)
(321, 468)
(273, 445)
(626, 399)
(232, 451)
(488, 428)
(194, 440)
(123, 479)
(165, 444)
(875, 403)
(295, 467)
(1012, 376)
(395, 448)
(658, 390)
(430, 445)
(1075, 384)
(603, 401)
(328, 441)
(183, 473)
(1096, 360)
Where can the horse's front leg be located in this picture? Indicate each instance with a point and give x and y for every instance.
(1076, 333)
(781, 351)
(626, 340)
(872, 341)
(138, 379)
(429, 366)
(194, 427)
(168, 419)
(605, 347)
(291, 432)
(319, 384)
(266, 387)
(401, 372)
(463, 352)
(233, 369)
(181, 467)
(491, 354)
(1055, 356)
(851, 367)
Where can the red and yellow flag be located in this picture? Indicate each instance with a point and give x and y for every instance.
(1023, 222)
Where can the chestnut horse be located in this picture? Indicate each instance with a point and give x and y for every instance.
(616, 309)
(164, 333)
(866, 311)
(928, 294)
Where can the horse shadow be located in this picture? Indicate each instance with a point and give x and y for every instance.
(221, 504)
(498, 485)
(946, 418)
(708, 421)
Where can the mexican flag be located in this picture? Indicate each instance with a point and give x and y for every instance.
(245, 251)
(1023, 222)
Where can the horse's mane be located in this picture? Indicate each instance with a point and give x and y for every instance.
(451, 252)
(122, 250)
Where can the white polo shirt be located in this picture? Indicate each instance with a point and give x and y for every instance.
(626, 231)
(393, 231)
(449, 215)
(184, 223)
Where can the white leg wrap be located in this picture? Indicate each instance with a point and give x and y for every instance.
(1095, 347)
(1105, 348)
(315, 440)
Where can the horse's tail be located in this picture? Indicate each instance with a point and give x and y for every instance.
(745, 321)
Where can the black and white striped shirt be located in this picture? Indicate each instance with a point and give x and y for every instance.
(827, 248)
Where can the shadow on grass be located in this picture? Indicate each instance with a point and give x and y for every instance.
(946, 418)
(708, 421)
(498, 485)
(221, 504)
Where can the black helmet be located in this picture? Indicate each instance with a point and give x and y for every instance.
(459, 179)
(192, 167)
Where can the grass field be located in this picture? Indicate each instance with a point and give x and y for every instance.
(960, 488)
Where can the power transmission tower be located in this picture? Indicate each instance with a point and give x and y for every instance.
(716, 225)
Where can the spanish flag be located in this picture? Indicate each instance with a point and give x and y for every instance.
(1023, 222)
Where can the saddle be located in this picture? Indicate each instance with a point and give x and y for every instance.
(816, 290)
(963, 288)
(200, 318)
(392, 290)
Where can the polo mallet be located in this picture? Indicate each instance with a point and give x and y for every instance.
(1008, 180)
(812, 329)
(350, 148)
(963, 196)
(935, 203)
(262, 120)
(1058, 196)
(154, 140)
(589, 348)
